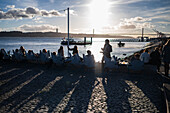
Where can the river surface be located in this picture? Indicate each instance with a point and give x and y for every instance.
(53, 44)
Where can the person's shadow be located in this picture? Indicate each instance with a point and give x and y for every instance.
(81, 95)
(149, 86)
(59, 93)
(117, 92)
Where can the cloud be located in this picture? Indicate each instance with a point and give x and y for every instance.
(10, 6)
(72, 12)
(146, 25)
(137, 19)
(108, 27)
(127, 26)
(28, 12)
(164, 17)
(135, 23)
(32, 10)
(130, 24)
(13, 14)
(38, 20)
(37, 28)
(163, 22)
(115, 2)
(158, 13)
(54, 13)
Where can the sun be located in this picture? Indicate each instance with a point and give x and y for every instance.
(99, 13)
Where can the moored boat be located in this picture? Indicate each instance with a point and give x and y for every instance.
(73, 42)
(120, 44)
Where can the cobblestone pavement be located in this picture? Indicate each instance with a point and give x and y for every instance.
(44, 88)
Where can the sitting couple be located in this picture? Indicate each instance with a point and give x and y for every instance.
(88, 60)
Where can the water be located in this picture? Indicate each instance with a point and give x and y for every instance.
(53, 44)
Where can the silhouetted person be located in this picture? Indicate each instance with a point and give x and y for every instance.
(166, 57)
(155, 58)
(89, 59)
(145, 56)
(136, 64)
(61, 51)
(22, 50)
(106, 50)
(75, 50)
(44, 51)
(1, 55)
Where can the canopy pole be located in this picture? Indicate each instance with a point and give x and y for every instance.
(68, 29)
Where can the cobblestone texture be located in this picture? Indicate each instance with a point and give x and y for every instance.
(44, 88)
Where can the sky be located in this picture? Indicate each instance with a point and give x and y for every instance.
(104, 16)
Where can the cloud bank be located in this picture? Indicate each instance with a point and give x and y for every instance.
(29, 12)
(37, 28)
(131, 25)
(135, 23)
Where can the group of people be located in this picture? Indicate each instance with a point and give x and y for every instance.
(158, 55)
(46, 57)
(136, 62)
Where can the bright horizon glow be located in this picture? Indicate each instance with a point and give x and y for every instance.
(99, 14)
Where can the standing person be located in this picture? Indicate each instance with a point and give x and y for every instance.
(166, 57)
(155, 58)
(106, 50)
(61, 51)
(145, 56)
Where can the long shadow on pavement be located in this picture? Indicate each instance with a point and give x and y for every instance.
(59, 93)
(117, 92)
(81, 95)
(149, 87)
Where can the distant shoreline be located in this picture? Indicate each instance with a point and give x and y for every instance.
(74, 35)
(54, 34)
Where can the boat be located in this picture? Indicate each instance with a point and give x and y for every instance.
(73, 42)
(120, 44)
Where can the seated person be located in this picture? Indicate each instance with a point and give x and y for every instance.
(57, 59)
(75, 60)
(136, 64)
(44, 51)
(1, 55)
(22, 51)
(4, 55)
(16, 55)
(44, 56)
(61, 51)
(110, 63)
(145, 56)
(89, 59)
(75, 52)
(30, 55)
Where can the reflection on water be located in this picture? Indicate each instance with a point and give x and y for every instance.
(53, 44)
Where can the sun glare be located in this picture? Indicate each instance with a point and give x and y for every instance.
(99, 13)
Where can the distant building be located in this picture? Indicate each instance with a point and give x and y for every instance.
(57, 30)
